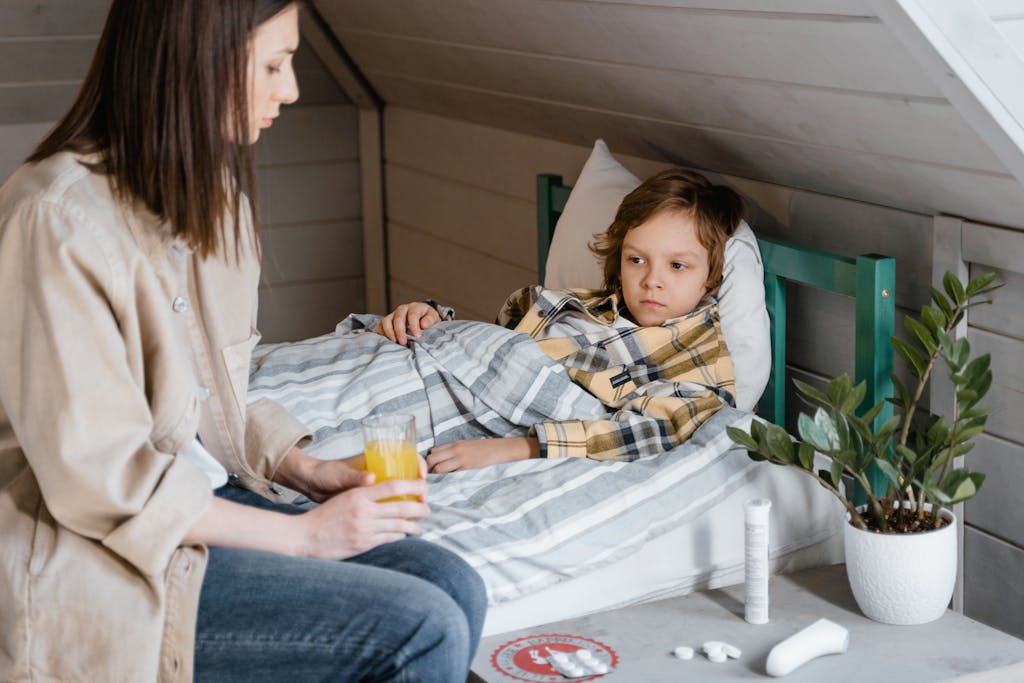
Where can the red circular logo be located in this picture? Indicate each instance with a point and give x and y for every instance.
(528, 659)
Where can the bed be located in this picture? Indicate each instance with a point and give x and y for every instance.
(555, 539)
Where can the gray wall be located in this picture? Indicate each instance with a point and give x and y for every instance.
(308, 163)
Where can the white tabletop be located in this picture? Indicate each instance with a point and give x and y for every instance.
(643, 638)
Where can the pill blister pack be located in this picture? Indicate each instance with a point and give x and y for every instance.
(578, 664)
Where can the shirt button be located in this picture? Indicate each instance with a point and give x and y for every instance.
(180, 304)
(203, 393)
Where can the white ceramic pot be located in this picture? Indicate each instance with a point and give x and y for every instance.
(902, 578)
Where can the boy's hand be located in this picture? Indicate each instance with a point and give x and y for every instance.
(407, 320)
(473, 453)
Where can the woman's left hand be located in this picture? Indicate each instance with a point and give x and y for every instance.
(473, 453)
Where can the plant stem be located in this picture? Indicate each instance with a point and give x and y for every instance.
(876, 506)
(912, 408)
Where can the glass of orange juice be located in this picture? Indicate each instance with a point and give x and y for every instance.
(389, 442)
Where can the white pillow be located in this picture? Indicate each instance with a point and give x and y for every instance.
(591, 208)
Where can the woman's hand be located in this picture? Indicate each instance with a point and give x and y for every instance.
(473, 453)
(353, 522)
(407, 320)
(321, 479)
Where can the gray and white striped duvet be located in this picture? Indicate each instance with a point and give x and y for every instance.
(523, 525)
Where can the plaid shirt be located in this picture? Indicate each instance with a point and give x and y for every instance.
(661, 382)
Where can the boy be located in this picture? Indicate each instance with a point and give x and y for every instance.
(648, 345)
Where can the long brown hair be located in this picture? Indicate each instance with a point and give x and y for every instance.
(165, 106)
(716, 210)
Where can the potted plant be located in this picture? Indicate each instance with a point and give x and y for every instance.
(900, 544)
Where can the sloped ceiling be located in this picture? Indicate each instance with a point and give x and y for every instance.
(835, 96)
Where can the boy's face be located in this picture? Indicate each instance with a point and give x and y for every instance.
(664, 268)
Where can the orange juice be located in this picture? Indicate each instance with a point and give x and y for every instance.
(392, 459)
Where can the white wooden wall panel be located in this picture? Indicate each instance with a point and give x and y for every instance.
(995, 508)
(309, 309)
(460, 277)
(1006, 397)
(888, 181)
(27, 102)
(29, 18)
(318, 251)
(16, 143)
(817, 116)
(309, 176)
(853, 52)
(1006, 313)
(997, 597)
(307, 193)
(53, 58)
(461, 214)
(839, 7)
(304, 135)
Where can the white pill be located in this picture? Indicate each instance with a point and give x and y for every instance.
(683, 652)
(560, 657)
(584, 654)
(712, 646)
(716, 655)
(600, 667)
(731, 650)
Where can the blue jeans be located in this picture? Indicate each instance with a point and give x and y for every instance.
(404, 611)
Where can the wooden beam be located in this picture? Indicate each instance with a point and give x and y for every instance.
(948, 255)
(970, 60)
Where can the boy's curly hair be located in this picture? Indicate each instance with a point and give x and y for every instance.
(716, 210)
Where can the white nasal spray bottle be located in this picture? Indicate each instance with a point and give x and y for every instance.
(755, 565)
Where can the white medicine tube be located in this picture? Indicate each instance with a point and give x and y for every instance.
(755, 566)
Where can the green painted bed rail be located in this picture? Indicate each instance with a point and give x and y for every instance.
(870, 279)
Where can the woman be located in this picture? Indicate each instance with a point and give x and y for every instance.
(128, 280)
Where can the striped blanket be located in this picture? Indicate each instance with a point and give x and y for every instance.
(522, 525)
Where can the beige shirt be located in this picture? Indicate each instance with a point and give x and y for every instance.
(118, 345)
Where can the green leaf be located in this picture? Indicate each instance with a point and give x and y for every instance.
(887, 429)
(805, 454)
(954, 288)
(962, 448)
(974, 413)
(757, 431)
(922, 334)
(827, 426)
(967, 396)
(901, 391)
(742, 438)
(978, 284)
(837, 472)
(826, 476)
(904, 453)
(940, 300)
(856, 397)
(890, 473)
(910, 354)
(779, 443)
(961, 485)
(819, 431)
(959, 352)
(873, 412)
(810, 392)
(838, 389)
(969, 433)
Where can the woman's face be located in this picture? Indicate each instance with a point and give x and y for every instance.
(271, 76)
